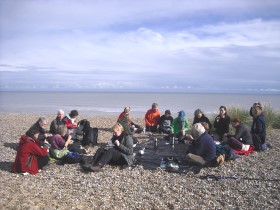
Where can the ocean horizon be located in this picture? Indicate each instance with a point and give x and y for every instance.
(113, 103)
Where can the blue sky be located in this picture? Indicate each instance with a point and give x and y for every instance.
(147, 45)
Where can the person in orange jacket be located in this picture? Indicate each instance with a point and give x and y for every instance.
(152, 117)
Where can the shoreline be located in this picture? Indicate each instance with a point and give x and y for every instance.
(135, 188)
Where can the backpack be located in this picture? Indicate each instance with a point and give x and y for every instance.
(90, 135)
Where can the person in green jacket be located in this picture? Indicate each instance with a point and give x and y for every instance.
(179, 126)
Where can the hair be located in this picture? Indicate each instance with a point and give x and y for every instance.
(42, 119)
(196, 112)
(197, 130)
(205, 125)
(223, 107)
(126, 109)
(61, 130)
(167, 112)
(236, 120)
(258, 104)
(73, 113)
(256, 110)
(118, 127)
(154, 105)
(32, 131)
(60, 111)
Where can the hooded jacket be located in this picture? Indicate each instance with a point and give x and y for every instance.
(27, 156)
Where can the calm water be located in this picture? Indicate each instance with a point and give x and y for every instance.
(97, 104)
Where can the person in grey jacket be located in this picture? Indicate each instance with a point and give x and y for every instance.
(120, 154)
(41, 125)
(242, 138)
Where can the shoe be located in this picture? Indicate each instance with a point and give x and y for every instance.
(87, 167)
(95, 168)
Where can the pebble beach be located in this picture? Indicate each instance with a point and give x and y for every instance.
(68, 187)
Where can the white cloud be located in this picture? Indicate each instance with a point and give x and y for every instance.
(141, 43)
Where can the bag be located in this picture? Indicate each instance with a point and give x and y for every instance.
(71, 158)
(90, 136)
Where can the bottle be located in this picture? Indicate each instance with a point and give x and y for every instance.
(144, 130)
(156, 143)
(172, 140)
(162, 163)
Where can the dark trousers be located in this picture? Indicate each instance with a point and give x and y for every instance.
(152, 129)
(76, 148)
(42, 161)
(164, 130)
(234, 143)
(104, 156)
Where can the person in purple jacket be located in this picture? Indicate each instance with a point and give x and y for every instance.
(203, 148)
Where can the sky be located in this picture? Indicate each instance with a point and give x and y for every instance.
(213, 46)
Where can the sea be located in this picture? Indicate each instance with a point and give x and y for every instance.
(112, 104)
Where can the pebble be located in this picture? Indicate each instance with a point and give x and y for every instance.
(68, 187)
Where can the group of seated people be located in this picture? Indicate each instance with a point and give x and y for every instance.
(37, 143)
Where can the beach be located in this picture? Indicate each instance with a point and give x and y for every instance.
(69, 187)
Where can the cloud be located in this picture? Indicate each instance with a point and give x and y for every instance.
(145, 44)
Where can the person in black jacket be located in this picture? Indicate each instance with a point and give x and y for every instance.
(165, 122)
(199, 117)
(221, 124)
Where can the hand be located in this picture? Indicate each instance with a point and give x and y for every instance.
(190, 137)
(117, 143)
(47, 135)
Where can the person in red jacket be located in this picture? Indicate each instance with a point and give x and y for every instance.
(125, 111)
(152, 117)
(30, 157)
(70, 120)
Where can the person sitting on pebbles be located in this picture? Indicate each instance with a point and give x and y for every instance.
(179, 126)
(30, 157)
(202, 149)
(130, 128)
(41, 125)
(165, 122)
(125, 111)
(59, 120)
(120, 154)
(242, 140)
(152, 117)
(60, 146)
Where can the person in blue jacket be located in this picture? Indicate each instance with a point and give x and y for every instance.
(203, 148)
